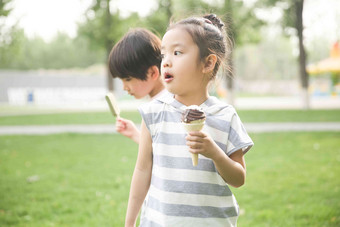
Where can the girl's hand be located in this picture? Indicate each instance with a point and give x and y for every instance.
(232, 169)
(201, 143)
(127, 128)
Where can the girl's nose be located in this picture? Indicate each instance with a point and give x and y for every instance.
(166, 62)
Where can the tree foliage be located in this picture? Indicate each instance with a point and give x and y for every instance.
(157, 21)
(288, 20)
(4, 10)
(104, 26)
(243, 25)
(61, 52)
(10, 36)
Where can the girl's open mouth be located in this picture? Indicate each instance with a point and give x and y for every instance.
(168, 77)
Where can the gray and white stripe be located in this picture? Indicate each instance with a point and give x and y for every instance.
(181, 194)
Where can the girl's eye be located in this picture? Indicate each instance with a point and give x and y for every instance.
(162, 56)
(177, 52)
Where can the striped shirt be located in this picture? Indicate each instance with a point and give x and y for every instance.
(181, 194)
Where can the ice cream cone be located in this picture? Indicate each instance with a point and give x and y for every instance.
(193, 127)
(193, 119)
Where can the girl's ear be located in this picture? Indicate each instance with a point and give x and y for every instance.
(209, 63)
(153, 72)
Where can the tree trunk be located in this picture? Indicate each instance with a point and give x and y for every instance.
(230, 62)
(304, 79)
(108, 44)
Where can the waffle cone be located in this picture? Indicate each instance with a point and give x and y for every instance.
(194, 159)
(193, 127)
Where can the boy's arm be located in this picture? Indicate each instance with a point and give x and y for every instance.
(127, 128)
(141, 177)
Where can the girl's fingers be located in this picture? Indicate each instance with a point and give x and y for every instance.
(196, 133)
(195, 150)
(193, 138)
(194, 145)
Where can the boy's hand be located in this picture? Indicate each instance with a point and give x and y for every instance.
(127, 128)
(201, 143)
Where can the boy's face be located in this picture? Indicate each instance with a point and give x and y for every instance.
(137, 88)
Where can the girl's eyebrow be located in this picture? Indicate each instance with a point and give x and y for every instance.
(173, 46)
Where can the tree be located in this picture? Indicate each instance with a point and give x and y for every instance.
(4, 11)
(304, 78)
(158, 20)
(103, 29)
(9, 35)
(292, 20)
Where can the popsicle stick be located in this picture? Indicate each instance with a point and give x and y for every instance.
(111, 101)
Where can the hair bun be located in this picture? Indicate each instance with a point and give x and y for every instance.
(214, 20)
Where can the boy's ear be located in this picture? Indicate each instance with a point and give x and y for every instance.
(209, 63)
(153, 72)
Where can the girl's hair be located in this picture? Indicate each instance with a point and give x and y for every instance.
(208, 32)
(134, 54)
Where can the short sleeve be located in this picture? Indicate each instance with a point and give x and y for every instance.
(238, 138)
(149, 112)
(144, 111)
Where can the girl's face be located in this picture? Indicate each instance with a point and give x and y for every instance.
(137, 88)
(181, 66)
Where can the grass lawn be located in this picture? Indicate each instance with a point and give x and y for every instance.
(106, 117)
(292, 180)
(67, 118)
(83, 180)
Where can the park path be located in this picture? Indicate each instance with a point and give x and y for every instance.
(241, 103)
(110, 128)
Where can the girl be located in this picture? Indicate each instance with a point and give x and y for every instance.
(180, 194)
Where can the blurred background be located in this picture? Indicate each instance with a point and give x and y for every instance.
(62, 162)
(54, 53)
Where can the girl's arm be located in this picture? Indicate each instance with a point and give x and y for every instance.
(141, 177)
(232, 169)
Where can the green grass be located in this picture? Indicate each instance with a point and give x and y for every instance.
(83, 180)
(106, 117)
(67, 118)
(289, 115)
(292, 180)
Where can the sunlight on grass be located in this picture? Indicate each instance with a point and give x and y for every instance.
(83, 180)
(292, 181)
(106, 117)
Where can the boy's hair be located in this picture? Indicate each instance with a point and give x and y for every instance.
(134, 54)
(209, 34)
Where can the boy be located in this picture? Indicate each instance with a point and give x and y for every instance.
(136, 59)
